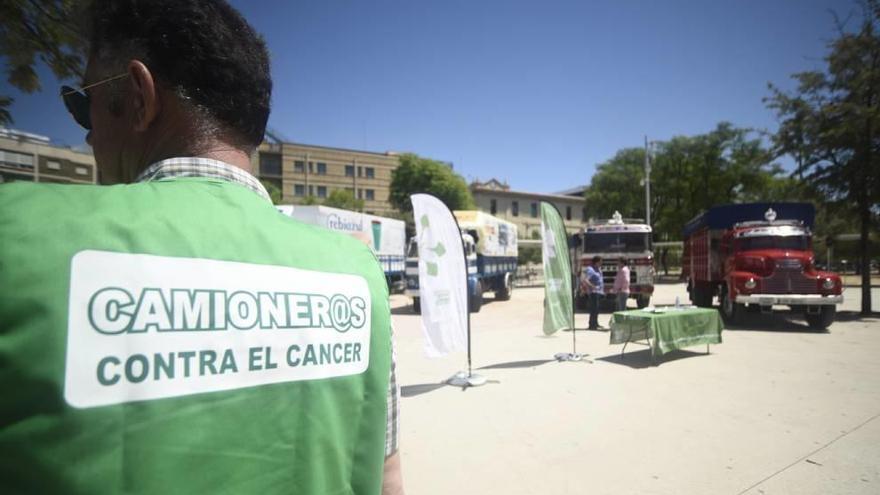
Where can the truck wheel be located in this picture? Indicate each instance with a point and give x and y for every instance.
(642, 301)
(503, 294)
(417, 305)
(823, 319)
(731, 311)
(476, 302)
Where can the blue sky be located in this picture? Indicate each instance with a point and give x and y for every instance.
(535, 93)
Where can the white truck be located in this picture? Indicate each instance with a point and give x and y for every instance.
(611, 240)
(386, 236)
(491, 250)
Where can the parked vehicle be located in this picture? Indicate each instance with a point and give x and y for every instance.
(386, 236)
(611, 240)
(758, 256)
(490, 246)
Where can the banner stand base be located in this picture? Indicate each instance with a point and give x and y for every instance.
(569, 356)
(462, 379)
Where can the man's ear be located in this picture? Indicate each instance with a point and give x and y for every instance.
(145, 99)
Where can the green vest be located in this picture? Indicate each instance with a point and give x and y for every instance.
(184, 337)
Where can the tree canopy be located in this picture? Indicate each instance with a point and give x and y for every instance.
(423, 175)
(39, 30)
(689, 174)
(344, 199)
(273, 190)
(830, 124)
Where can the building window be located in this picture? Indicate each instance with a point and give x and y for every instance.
(370, 194)
(299, 166)
(349, 170)
(299, 190)
(493, 206)
(371, 173)
(53, 165)
(270, 164)
(17, 160)
(568, 212)
(360, 194)
(322, 191)
(322, 168)
(514, 208)
(82, 171)
(350, 190)
(534, 208)
(584, 213)
(311, 167)
(360, 171)
(311, 190)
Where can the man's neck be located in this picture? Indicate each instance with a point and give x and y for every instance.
(232, 156)
(215, 150)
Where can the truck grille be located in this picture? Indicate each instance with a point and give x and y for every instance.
(789, 281)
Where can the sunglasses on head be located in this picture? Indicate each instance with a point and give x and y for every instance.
(78, 102)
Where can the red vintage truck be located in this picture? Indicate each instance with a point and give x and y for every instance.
(755, 257)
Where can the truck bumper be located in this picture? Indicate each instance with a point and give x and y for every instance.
(789, 299)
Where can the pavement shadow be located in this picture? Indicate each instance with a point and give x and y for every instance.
(419, 389)
(785, 322)
(856, 316)
(517, 364)
(788, 321)
(403, 310)
(642, 359)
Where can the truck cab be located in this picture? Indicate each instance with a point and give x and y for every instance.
(611, 240)
(759, 264)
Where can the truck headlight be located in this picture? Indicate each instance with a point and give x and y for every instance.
(750, 284)
(828, 283)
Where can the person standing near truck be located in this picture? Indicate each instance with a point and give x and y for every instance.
(594, 286)
(621, 284)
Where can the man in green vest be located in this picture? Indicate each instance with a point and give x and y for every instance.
(172, 333)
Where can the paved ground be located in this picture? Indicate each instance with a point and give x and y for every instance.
(775, 409)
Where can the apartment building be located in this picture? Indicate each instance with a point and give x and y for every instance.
(31, 157)
(524, 208)
(303, 170)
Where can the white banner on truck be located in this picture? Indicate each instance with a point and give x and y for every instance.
(442, 277)
(387, 236)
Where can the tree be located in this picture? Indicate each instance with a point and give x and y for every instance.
(39, 30)
(343, 198)
(689, 175)
(830, 124)
(615, 186)
(422, 175)
(273, 190)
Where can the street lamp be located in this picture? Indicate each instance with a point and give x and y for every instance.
(647, 182)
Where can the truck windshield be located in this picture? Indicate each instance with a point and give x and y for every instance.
(412, 251)
(617, 242)
(790, 243)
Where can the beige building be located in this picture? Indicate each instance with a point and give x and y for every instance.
(31, 157)
(524, 208)
(301, 170)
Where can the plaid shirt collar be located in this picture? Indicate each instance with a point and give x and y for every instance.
(193, 166)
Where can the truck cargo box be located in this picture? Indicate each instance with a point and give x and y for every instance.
(494, 237)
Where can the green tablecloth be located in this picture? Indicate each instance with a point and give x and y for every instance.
(669, 330)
